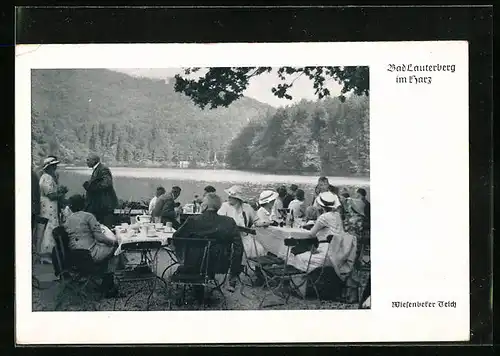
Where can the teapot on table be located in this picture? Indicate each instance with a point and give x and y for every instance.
(143, 219)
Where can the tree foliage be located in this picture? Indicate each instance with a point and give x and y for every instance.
(221, 86)
(329, 137)
(127, 120)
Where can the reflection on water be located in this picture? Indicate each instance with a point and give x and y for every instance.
(141, 183)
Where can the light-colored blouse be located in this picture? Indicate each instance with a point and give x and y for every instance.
(236, 212)
(84, 230)
(152, 205)
(263, 216)
(340, 253)
(298, 208)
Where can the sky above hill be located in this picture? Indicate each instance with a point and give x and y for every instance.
(259, 87)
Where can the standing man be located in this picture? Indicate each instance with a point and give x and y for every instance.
(165, 207)
(101, 196)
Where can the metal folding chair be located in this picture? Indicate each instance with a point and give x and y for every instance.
(257, 261)
(279, 279)
(200, 261)
(144, 271)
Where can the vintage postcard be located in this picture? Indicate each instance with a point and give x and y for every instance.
(232, 185)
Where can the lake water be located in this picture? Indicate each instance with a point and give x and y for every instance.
(141, 183)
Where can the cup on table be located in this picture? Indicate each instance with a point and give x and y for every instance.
(158, 226)
(168, 227)
(133, 220)
(143, 230)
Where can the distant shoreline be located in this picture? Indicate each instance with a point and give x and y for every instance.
(219, 175)
(252, 171)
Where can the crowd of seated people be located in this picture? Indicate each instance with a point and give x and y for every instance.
(331, 212)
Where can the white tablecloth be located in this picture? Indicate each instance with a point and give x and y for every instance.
(131, 236)
(272, 238)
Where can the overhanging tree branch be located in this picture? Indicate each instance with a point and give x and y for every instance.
(222, 86)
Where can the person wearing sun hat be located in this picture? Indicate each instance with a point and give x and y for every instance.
(266, 203)
(341, 250)
(49, 209)
(244, 215)
(236, 207)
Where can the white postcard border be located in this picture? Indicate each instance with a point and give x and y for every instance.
(419, 193)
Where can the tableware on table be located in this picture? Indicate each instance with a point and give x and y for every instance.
(158, 226)
(143, 230)
(124, 225)
(168, 227)
(143, 219)
(188, 209)
(133, 220)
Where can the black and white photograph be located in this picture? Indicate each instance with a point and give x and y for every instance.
(177, 185)
(200, 188)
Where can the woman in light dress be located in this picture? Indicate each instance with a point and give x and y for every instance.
(244, 215)
(340, 253)
(49, 209)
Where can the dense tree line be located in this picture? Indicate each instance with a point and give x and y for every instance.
(330, 136)
(128, 120)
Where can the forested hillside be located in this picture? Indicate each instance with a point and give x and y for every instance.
(327, 136)
(128, 120)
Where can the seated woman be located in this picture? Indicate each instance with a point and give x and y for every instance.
(266, 203)
(85, 232)
(341, 250)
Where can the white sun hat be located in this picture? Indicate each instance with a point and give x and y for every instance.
(328, 200)
(267, 196)
(235, 192)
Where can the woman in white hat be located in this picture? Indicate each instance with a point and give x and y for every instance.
(266, 202)
(244, 215)
(342, 249)
(49, 197)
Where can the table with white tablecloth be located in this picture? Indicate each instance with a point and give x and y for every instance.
(272, 238)
(164, 256)
(130, 236)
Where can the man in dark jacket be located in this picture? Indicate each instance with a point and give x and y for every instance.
(101, 196)
(210, 225)
(165, 207)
